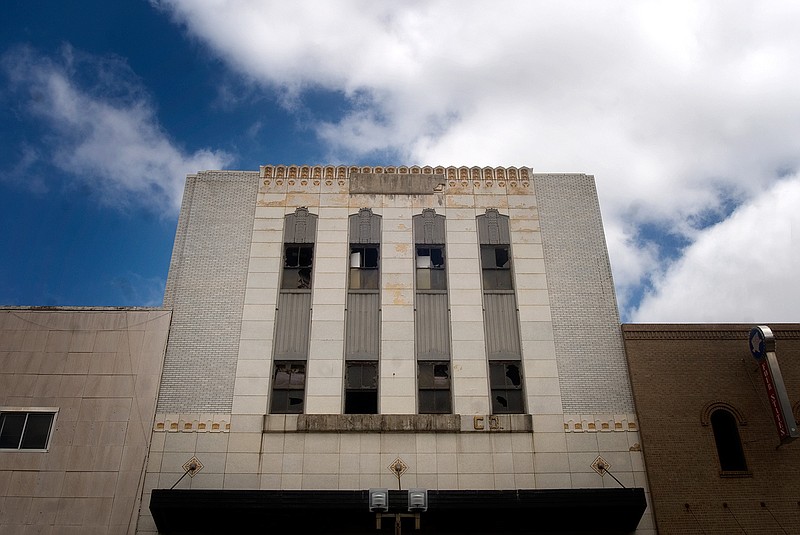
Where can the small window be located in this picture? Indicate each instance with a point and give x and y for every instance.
(496, 267)
(288, 388)
(21, 430)
(364, 268)
(430, 268)
(434, 388)
(361, 388)
(297, 265)
(729, 444)
(506, 384)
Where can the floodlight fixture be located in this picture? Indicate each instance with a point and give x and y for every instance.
(378, 500)
(417, 500)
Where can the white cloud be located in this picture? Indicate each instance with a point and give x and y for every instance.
(744, 269)
(680, 110)
(102, 129)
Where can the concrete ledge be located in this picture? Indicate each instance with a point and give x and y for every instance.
(397, 423)
(379, 422)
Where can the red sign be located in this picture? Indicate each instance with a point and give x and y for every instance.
(774, 402)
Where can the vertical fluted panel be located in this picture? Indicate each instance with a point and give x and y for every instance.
(292, 325)
(363, 326)
(432, 327)
(502, 330)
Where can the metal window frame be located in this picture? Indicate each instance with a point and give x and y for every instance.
(28, 411)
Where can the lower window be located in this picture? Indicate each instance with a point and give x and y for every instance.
(361, 388)
(506, 382)
(288, 388)
(26, 430)
(434, 388)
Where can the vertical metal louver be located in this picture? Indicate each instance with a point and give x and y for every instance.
(363, 326)
(292, 326)
(432, 327)
(502, 332)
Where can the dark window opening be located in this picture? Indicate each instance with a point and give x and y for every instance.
(434, 388)
(288, 388)
(25, 430)
(364, 268)
(729, 444)
(431, 274)
(496, 267)
(361, 388)
(297, 264)
(506, 385)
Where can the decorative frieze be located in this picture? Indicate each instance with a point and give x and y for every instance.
(588, 423)
(192, 423)
(456, 177)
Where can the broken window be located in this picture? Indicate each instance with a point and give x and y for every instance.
(496, 267)
(361, 388)
(288, 388)
(430, 268)
(23, 430)
(506, 383)
(297, 264)
(364, 273)
(434, 388)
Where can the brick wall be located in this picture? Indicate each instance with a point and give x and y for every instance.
(677, 371)
(591, 362)
(206, 289)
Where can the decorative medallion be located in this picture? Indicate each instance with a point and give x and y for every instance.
(192, 466)
(600, 466)
(398, 467)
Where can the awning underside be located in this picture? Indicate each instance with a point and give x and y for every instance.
(601, 510)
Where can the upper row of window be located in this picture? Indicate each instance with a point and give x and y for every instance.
(364, 271)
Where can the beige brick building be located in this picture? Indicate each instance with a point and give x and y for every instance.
(335, 327)
(710, 442)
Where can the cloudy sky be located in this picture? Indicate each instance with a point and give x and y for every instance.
(686, 113)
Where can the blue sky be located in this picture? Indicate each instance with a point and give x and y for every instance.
(687, 114)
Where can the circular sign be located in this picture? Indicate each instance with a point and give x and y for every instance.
(762, 341)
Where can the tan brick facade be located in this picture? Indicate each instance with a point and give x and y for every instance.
(679, 375)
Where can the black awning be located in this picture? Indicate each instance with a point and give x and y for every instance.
(600, 510)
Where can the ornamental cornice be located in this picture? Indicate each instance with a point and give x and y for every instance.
(685, 335)
(455, 176)
(694, 333)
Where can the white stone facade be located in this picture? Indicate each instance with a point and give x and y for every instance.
(577, 397)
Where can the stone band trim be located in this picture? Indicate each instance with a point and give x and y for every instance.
(397, 423)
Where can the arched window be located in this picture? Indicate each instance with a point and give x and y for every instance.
(729, 444)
